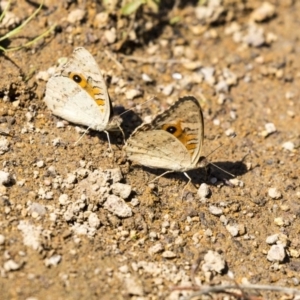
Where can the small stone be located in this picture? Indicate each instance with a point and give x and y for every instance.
(63, 199)
(53, 260)
(274, 193)
(2, 239)
(233, 229)
(124, 269)
(156, 249)
(71, 178)
(168, 89)
(110, 35)
(264, 12)
(121, 189)
(276, 253)
(40, 164)
(76, 15)
(146, 78)
(94, 220)
(117, 206)
(169, 254)
(216, 211)
(255, 36)
(4, 145)
(213, 261)
(177, 76)
(11, 265)
(294, 253)
(133, 93)
(203, 191)
(288, 146)
(272, 239)
(230, 132)
(270, 128)
(37, 208)
(133, 287)
(134, 202)
(279, 221)
(5, 178)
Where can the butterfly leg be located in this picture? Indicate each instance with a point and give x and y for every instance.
(157, 177)
(85, 132)
(190, 180)
(108, 139)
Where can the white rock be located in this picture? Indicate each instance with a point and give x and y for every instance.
(117, 206)
(133, 93)
(203, 191)
(110, 35)
(177, 76)
(276, 253)
(134, 202)
(156, 249)
(133, 287)
(230, 132)
(124, 269)
(4, 145)
(216, 211)
(37, 208)
(146, 78)
(94, 220)
(213, 261)
(233, 229)
(274, 193)
(76, 15)
(63, 199)
(2, 239)
(169, 254)
(5, 178)
(264, 12)
(53, 260)
(121, 189)
(31, 234)
(11, 265)
(272, 239)
(255, 36)
(270, 128)
(71, 178)
(168, 89)
(288, 146)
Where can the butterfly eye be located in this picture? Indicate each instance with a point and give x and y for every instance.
(171, 129)
(77, 78)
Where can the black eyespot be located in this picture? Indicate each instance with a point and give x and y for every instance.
(171, 129)
(77, 78)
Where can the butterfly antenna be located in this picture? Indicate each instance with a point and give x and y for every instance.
(85, 132)
(124, 112)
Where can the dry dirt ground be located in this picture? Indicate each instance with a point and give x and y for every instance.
(57, 238)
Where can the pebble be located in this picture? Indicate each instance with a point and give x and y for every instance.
(124, 269)
(134, 202)
(216, 211)
(121, 189)
(233, 229)
(274, 193)
(276, 253)
(63, 199)
(208, 73)
(133, 287)
(272, 239)
(213, 261)
(270, 128)
(117, 206)
(133, 93)
(110, 35)
(177, 76)
(255, 36)
(156, 249)
(2, 239)
(230, 132)
(53, 260)
(4, 145)
(279, 221)
(264, 12)
(40, 164)
(5, 178)
(168, 89)
(146, 78)
(169, 254)
(203, 191)
(76, 15)
(11, 265)
(93, 220)
(37, 208)
(31, 234)
(290, 146)
(101, 20)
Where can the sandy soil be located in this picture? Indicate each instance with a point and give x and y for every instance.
(249, 226)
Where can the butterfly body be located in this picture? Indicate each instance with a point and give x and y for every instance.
(77, 93)
(172, 141)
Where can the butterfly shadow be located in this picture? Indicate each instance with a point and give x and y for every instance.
(221, 172)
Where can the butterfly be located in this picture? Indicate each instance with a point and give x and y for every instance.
(172, 141)
(77, 93)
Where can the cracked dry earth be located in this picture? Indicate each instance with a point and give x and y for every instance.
(59, 237)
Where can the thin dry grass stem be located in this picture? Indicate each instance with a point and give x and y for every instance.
(225, 288)
(113, 58)
(19, 28)
(154, 60)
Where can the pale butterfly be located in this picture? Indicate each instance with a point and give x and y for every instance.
(77, 93)
(172, 141)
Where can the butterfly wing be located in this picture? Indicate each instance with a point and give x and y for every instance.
(77, 92)
(172, 141)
